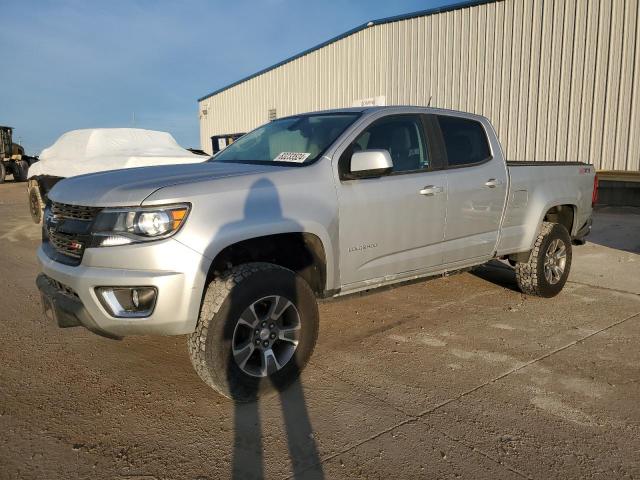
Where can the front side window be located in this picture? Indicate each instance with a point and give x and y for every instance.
(300, 139)
(401, 136)
(465, 141)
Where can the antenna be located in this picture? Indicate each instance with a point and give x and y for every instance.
(429, 103)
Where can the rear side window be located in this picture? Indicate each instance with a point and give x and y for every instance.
(465, 141)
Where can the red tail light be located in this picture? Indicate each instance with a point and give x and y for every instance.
(594, 196)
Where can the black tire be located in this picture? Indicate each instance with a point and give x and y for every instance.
(3, 172)
(21, 170)
(36, 205)
(226, 298)
(531, 274)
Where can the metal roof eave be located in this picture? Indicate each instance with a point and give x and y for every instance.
(381, 21)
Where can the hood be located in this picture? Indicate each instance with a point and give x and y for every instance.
(129, 187)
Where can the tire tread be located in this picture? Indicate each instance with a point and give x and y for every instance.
(216, 293)
(528, 273)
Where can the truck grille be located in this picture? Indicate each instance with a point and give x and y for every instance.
(75, 212)
(66, 244)
(67, 231)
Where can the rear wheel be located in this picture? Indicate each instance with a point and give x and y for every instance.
(547, 269)
(257, 328)
(3, 172)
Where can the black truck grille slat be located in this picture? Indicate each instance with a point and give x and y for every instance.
(74, 212)
(66, 244)
(68, 229)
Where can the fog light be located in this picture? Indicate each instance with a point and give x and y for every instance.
(128, 302)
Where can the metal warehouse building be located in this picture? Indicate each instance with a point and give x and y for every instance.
(559, 79)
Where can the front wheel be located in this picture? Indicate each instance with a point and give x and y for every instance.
(547, 269)
(36, 205)
(257, 328)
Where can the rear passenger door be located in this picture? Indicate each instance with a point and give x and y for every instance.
(477, 187)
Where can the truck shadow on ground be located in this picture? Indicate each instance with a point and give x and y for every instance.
(498, 273)
(248, 451)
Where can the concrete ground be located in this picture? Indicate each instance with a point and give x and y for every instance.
(456, 377)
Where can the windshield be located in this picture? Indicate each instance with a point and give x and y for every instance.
(299, 139)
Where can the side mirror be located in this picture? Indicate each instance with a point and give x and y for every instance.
(370, 163)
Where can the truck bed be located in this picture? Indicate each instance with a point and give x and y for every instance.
(532, 191)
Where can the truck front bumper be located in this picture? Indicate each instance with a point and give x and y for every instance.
(69, 292)
(64, 307)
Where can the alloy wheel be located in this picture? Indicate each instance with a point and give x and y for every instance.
(266, 336)
(555, 261)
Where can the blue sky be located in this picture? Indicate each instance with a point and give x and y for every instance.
(85, 64)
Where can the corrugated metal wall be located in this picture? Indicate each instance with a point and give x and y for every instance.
(559, 79)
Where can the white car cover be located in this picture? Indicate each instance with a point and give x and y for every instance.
(98, 149)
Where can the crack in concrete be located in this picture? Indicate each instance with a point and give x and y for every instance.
(486, 455)
(411, 419)
(419, 416)
(617, 290)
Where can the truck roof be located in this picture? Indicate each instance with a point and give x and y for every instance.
(389, 107)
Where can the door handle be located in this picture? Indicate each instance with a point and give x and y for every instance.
(431, 190)
(492, 183)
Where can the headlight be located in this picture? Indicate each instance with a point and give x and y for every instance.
(120, 226)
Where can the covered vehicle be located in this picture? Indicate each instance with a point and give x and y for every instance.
(79, 152)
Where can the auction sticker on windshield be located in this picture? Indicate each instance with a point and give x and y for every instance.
(296, 157)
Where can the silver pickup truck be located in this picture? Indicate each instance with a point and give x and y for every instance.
(235, 251)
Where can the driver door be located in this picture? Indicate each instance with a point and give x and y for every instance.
(392, 225)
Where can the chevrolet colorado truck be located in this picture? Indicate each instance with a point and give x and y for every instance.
(234, 252)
